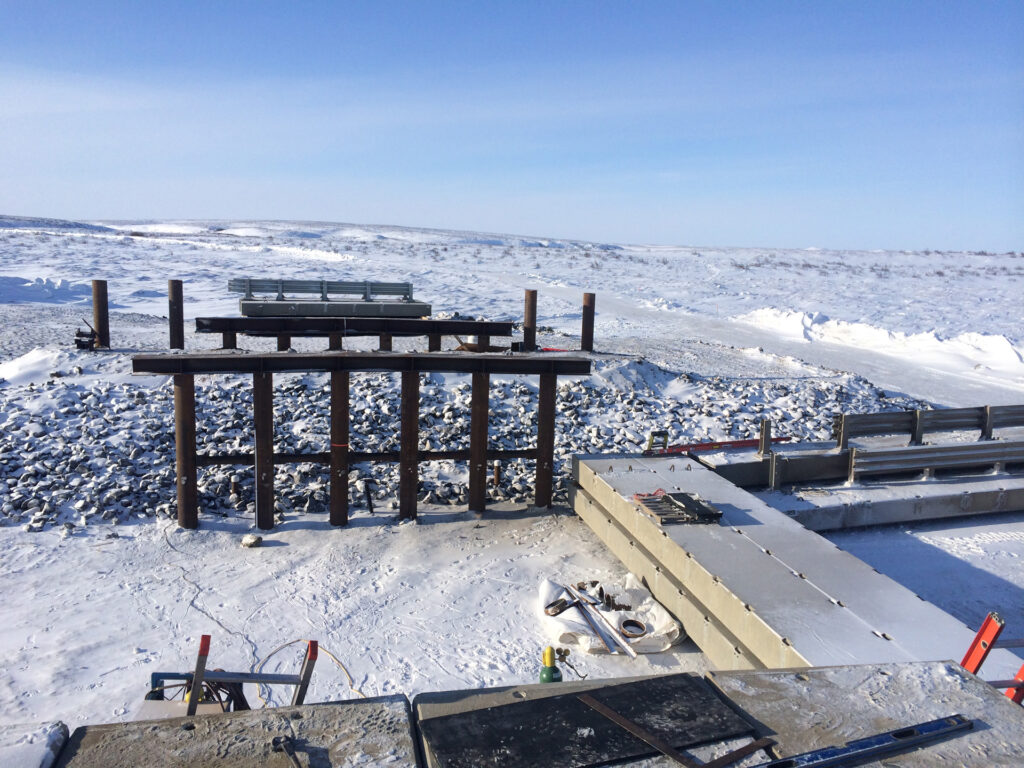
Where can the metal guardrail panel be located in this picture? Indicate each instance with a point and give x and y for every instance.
(1007, 416)
(984, 419)
(954, 418)
(927, 457)
(860, 424)
(365, 288)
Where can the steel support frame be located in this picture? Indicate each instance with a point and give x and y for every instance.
(263, 428)
(185, 451)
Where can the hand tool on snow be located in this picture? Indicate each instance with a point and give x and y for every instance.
(588, 606)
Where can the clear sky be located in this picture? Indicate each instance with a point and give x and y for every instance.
(834, 124)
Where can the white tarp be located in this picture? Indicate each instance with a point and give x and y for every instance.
(571, 629)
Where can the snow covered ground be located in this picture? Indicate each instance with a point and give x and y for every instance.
(101, 588)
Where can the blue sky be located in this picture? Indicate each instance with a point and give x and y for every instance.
(832, 124)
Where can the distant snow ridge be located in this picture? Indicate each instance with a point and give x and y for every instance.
(26, 222)
(108, 453)
(16, 290)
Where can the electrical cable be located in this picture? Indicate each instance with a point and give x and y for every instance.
(259, 668)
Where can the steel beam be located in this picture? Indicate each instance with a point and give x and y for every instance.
(530, 321)
(408, 478)
(339, 447)
(545, 440)
(478, 442)
(352, 326)
(175, 314)
(587, 331)
(185, 450)
(263, 427)
(213, 363)
(100, 314)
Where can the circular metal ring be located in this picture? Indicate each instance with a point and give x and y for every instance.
(632, 628)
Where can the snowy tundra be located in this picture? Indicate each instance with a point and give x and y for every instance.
(101, 587)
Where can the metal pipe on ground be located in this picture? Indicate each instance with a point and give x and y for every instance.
(100, 313)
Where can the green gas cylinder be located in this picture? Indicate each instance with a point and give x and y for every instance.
(549, 673)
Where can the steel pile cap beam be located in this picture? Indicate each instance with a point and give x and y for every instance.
(351, 326)
(284, 362)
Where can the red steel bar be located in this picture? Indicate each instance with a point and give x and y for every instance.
(263, 426)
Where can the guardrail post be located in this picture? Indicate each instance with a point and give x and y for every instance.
(916, 428)
(587, 333)
(434, 342)
(408, 478)
(100, 315)
(176, 314)
(843, 438)
(987, 424)
(764, 443)
(229, 340)
(530, 321)
(185, 450)
(284, 342)
(339, 448)
(545, 440)
(478, 442)
(263, 426)
(334, 342)
(385, 342)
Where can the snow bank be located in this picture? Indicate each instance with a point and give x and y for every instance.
(32, 746)
(16, 290)
(979, 351)
(31, 368)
